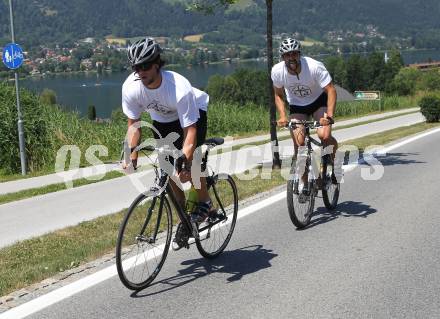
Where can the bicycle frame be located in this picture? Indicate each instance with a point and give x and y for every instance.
(158, 192)
(308, 141)
(162, 189)
(147, 225)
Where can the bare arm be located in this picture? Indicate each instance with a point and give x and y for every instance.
(190, 140)
(279, 103)
(133, 137)
(331, 99)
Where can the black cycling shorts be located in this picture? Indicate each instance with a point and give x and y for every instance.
(311, 108)
(166, 128)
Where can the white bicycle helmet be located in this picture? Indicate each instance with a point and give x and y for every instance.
(144, 50)
(289, 45)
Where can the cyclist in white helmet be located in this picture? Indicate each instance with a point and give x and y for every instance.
(174, 106)
(309, 90)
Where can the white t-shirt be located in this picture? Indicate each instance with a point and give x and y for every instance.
(174, 99)
(312, 79)
(202, 99)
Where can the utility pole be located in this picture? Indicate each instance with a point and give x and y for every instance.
(276, 163)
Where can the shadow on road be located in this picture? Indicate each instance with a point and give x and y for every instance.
(236, 263)
(345, 209)
(399, 159)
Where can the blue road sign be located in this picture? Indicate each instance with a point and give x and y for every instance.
(12, 56)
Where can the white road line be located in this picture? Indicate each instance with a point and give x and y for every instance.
(57, 295)
(410, 140)
(384, 151)
(62, 293)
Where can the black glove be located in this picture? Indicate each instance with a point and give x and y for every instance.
(181, 163)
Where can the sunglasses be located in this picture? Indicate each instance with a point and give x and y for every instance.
(142, 67)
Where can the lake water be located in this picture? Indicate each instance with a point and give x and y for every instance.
(78, 91)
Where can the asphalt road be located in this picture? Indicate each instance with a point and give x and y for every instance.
(376, 256)
(46, 213)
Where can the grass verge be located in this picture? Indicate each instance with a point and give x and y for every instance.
(6, 198)
(33, 260)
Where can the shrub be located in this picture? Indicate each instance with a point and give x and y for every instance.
(48, 97)
(91, 113)
(241, 87)
(430, 107)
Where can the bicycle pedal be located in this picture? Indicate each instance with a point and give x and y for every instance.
(179, 245)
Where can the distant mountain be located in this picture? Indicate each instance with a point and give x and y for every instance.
(58, 21)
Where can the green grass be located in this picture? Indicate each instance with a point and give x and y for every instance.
(386, 137)
(33, 260)
(6, 198)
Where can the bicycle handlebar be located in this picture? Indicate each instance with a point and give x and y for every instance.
(310, 124)
(181, 161)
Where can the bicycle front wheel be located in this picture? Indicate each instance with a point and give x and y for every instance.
(330, 185)
(300, 200)
(215, 233)
(143, 241)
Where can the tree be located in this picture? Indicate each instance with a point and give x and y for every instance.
(375, 72)
(392, 68)
(336, 67)
(243, 86)
(354, 73)
(430, 80)
(223, 88)
(208, 7)
(404, 82)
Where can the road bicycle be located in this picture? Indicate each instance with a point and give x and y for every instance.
(306, 179)
(145, 233)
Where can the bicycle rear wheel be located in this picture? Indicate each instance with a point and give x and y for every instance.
(143, 241)
(215, 233)
(300, 203)
(330, 185)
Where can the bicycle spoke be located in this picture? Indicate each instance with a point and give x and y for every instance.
(141, 259)
(224, 196)
(331, 188)
(300, 204)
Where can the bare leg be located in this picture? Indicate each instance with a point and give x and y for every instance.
(202, 193)
(298, 137)
(325, 132)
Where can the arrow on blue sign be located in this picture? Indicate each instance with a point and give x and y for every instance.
(12, 56)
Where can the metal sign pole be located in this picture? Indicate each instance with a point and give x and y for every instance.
(20, 121)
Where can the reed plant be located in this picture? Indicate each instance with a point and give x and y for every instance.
(233, 119)
(387, 103)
